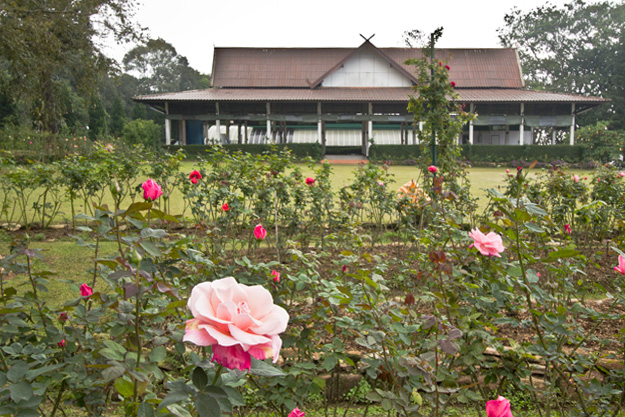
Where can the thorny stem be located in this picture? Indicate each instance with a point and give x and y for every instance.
(137, 333)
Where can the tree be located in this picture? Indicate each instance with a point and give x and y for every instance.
(49, 42)
(569, 49)
(118, 116)
(159, 69)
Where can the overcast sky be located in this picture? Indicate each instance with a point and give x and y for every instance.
(194, 27)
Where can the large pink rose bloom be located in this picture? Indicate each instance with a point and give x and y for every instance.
(237, 321)
(490, 244)
(498, 408)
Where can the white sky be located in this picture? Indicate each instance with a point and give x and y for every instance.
(194, 27)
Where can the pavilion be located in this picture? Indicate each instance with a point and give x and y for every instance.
(352, 96)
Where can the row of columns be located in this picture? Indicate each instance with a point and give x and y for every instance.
(321, 127)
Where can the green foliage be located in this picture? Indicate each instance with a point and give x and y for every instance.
(570, 48)
(601, 144)
(394, 152)
(69, 53)
(299, 150)
(142, 132)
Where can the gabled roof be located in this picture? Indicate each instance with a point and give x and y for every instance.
(369, 46)
(307, 67)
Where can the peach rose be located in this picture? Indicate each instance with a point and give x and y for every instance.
(238, 321)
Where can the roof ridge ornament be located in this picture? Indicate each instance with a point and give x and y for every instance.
(365, 38)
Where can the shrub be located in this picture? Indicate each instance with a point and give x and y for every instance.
(141, 132)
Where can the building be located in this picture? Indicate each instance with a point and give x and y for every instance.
(347, 96)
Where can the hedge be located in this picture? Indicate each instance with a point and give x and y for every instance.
(506, 153)
(299, 150)
(343, 150)
(487, 153)
(394, 152)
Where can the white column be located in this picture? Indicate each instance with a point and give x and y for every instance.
(167, 125)
(521, 126)
(268, 122)
(217, 124)
(420, 130)
(471, 109)
(370, 122)
(572, 135)
(553, 136)
(319, 128)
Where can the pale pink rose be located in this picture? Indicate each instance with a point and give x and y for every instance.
(260, 232)
(238, 321)
(296, 413)
(498, 408)
(576, 178)
(276, 276)
(489, 244)
(621, 174)
(85, 290)
(151, 190)
(621, 265)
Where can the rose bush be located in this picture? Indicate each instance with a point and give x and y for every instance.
(237, 320)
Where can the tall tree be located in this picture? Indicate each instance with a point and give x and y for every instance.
(160, 69)
(49, 42)
(569, 48)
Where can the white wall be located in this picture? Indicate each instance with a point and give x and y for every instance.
(366, 69)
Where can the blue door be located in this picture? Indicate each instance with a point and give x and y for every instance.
(195, 132)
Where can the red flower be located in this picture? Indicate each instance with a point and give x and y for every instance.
(63, 317)
(276, 276)
(310, 181)
(453, 84)
(195, 176)
(62, 343)
(225, 207)
(433, 169)
(447, 67)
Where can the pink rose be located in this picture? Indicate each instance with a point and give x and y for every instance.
(453, 84)
(507, 171)
(498, 408)
(576, 178)
(151, 190)
(276, 276)
(567, 228)
(225, 207)
(432, 169)
(260, 232)
(297, 413)
(85, 290)
(585, 178)
(63, 316)
(195, 176)
(447, 67)
(621, 174)
(310, 181)
(62, 343)
(490, 244)
(237, 321)
(344, 269)
(621, 265)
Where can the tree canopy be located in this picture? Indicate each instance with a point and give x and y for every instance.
(575, 48)
(48, 48)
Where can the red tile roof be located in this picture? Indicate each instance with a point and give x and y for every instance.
(380, 94)
(301, 67)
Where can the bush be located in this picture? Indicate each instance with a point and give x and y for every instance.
(141, 132)
(299, 150)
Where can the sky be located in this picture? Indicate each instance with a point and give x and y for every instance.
(194, 27)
